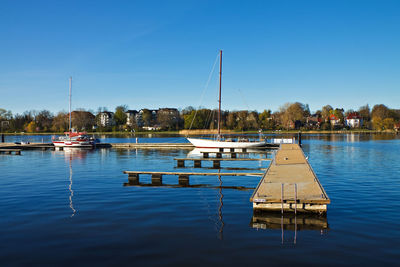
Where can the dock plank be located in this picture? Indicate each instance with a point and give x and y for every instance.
(289, 171)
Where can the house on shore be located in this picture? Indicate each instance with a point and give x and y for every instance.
(106, 119)
(335, 121)
(353, 120)
(131, 117)
(313, 121)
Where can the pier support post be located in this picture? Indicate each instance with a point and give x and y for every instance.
(183, 180)
(197, 163)
(2, 138)
(244, 149)
(216, 164)
(133, 178)
(156, 179)
(219, 155)
(181, 163)
(299, 138)
(232, 149)
(18, 152)
(233, 155)
(221, 149)
(206, 155)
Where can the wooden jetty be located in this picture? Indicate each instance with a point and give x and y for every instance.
(156, 177)
(10, 150)
(149, 145)
(216, 161)
(290, 184)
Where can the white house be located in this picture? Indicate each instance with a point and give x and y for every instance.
(353, 120)
(107, 119)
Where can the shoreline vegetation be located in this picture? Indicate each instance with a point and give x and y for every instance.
(291, 118)
(227, 132)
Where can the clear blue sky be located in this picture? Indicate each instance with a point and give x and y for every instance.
(151, 54)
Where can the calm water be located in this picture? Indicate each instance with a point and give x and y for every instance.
(72, 208)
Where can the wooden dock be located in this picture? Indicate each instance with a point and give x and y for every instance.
(150, 145)
(290, 184)
(156, 177)
(216, 161)
(9, 151)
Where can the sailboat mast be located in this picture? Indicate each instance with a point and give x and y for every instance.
(70, 88)
(219, 100)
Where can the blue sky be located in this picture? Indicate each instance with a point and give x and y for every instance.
(151, 54)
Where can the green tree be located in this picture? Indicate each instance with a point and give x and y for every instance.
(120, 115)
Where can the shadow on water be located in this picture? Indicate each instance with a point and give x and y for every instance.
(289, 222)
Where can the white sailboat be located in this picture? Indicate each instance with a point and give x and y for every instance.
(72, 138)
(220, 142)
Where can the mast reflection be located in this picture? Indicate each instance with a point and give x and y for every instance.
(70, 155)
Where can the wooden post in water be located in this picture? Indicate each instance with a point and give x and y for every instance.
(181, 163)
(197, 163)
(156, 179)
(183, 180)
(216, 164)
(133, 178)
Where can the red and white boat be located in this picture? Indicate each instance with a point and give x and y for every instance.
(74, 139)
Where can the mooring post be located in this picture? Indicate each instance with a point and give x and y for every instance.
(133, 178)
(282, 199)
(183, 179)
(295, 198)
(156, 179)
(181, 163)
(299, 137)
(216, 164)
(197, 163)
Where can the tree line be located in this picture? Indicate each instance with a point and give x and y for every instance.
(289, 116)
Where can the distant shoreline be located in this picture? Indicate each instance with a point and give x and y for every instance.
(202, 132)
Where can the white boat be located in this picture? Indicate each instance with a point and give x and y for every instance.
(219, 142)
(209, 143)
(72, 138)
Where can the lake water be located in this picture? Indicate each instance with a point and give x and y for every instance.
(63, 208)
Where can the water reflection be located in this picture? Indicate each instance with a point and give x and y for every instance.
(289, 222)
(70, 155)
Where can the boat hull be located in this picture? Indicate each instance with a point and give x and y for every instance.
(77, 144)
(207, 143)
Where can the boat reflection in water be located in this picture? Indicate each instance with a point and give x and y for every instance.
(70, 155)
(289, 222)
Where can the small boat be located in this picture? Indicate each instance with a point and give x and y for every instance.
(209, 143)
(72, 138)
(219, 142)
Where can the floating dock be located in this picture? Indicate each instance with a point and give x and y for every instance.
(183, 177)
(290, 184)
(10, 150)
